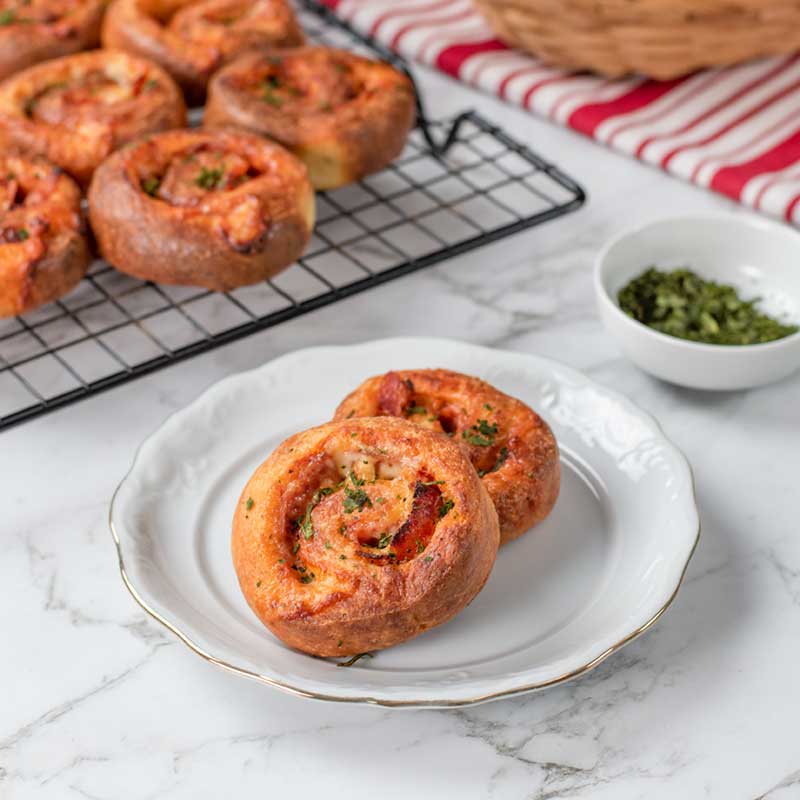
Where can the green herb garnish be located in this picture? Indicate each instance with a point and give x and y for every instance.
(305, 524)
(417, 410)
(445, 507)
(22, 234)
(481, 434)
(150, 185)
(501, 459)
(8, 16)
(351, 661)
(384, 541)
(355, 479)
(210, 178)
(249, 504)
(355, 500)
(420, 546)
(307, 577)
(680, 303)
(270, 98)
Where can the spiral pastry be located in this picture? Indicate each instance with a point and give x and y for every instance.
(192, 39)
(511, 446)
(356, 535)
(43, 249)
(77, 109)
(214, 209)
(343, 115)
(35, 30)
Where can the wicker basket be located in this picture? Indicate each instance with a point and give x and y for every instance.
(659, 38)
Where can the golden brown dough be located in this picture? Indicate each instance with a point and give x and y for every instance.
(191, 38)
(214, 209)
(43, 249)
(345, 116)
(77, 109)
(356, 535)
(36, 30)
(510, 445)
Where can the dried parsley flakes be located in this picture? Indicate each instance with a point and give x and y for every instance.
(680, 303)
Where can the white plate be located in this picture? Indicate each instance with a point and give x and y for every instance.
(598, 572)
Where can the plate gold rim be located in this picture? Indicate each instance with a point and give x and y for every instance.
(378, 701)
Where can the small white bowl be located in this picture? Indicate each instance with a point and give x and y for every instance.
(758, 257)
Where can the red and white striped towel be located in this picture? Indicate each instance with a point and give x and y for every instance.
(735, 131)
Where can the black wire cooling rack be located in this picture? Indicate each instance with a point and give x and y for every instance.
(459, 184)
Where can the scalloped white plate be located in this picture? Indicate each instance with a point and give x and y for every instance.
(598, 572)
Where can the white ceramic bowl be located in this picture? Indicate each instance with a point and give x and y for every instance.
(760, 258)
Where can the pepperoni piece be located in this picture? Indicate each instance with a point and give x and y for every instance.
(394, 395)
(417, 530)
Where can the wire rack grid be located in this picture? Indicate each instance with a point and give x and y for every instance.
(459, 184)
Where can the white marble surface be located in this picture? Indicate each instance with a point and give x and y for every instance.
(101, 703)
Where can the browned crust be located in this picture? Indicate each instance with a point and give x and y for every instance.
(189, 52)
(353, 605)
(80, 147)
(25, 43)
(155, 240)
(340, 141)
(55, 253)
(524, 488)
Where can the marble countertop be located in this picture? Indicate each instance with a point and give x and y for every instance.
(99, 702)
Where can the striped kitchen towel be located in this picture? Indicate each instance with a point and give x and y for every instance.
(735, 130)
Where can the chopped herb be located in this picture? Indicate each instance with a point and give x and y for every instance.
(272, 81)
(327, 545)
(305, 524)
(417, 410)
(8, 16)
(249, 504)
(385, 541)
(307, 578)
(355, 499)
(680, 303)
(150, 85)
(355, 479)
(258, 583)
(380, 500)
(383, 452)
(350, 415)
(420, 546)
(22, 234)
(351, 661)
(445, 507)
(271, 98)
(342, 557)
(342, 528)
(150, 185)
(487, 406)
(281, 561)
(340, 642)
(210, 178)
(354, 434)
(431, 483)
(428, 559)
(296, 547)
(501, 459)
(481, 434)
